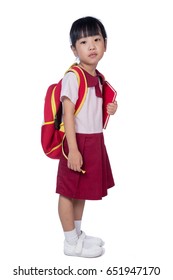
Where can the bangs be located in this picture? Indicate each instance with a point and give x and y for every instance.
(88, 30)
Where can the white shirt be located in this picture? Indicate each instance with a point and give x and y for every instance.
(89, 118)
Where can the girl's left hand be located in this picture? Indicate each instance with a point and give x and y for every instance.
(112, 107)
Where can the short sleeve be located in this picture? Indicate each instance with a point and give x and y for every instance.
(70, 87)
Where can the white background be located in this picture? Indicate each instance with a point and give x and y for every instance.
(135, 219)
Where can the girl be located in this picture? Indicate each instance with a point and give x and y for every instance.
(84, 141)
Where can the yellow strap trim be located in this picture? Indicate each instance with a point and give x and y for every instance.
(83, 171)
(81, 104)
(56, 147)
(53, 104)
(62, 127)
(51, 122)
(78, 79)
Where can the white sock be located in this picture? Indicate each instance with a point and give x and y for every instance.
(89, 240)
(71, 236)
(77, 224)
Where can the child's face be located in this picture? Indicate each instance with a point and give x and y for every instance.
(90, 49)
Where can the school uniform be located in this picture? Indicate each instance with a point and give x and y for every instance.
(92, 185)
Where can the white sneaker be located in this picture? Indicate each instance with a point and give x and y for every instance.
(79, 250)
(91, 240)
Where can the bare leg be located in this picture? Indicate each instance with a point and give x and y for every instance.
(78, 209)
(66, 213)
(69, 211)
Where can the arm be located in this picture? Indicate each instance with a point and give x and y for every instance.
(74, 157)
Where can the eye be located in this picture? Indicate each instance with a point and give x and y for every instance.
(83, 42)
(97, 39)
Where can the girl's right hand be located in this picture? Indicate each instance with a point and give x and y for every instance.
(75, 160)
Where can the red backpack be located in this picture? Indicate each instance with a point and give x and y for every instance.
(52, 130)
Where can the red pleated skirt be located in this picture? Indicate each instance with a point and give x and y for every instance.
(92, 185)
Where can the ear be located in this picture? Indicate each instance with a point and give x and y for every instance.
(106, 44)
(74, 51)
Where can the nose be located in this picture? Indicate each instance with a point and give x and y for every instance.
(92, 46)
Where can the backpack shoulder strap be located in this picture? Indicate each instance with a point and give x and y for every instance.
(82, 82)
(82, 92)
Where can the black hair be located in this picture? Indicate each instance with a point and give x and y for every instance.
(84, 27)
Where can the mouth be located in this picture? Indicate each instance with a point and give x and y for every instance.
(92, 55)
